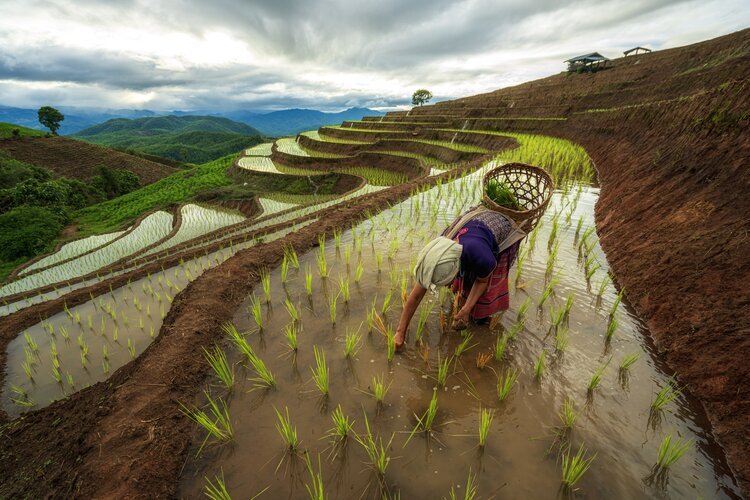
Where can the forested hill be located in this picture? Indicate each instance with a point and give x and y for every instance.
(191, 139)
(168, 124)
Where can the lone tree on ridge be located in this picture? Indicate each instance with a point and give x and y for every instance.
(50, 118)
(420, 97)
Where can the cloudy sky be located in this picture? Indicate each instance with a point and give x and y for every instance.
(272, 54)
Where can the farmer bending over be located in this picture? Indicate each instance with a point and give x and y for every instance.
(474, 255)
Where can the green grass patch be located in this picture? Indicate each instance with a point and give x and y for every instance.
(6, 131)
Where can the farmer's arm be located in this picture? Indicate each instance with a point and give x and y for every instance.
(415, 297)
(477, 290)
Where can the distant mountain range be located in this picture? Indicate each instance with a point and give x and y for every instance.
(190, 139)
(276, 123)
(293, 121)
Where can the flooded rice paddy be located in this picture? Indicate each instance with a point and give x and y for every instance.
(614, 422)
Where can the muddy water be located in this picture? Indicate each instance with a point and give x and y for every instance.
(521, 459)
(112, 329)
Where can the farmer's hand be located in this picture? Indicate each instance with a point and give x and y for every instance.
(400, 338)
(461, 319)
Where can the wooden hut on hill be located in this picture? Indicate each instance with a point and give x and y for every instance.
(636, 51)
(587, 63)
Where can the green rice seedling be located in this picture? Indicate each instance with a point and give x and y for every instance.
(586, 234)
(284, 269)
(342, 427)
(28, 369)
(666, 395)
(216, 422)
(470, 492)
(534, 235)
(596, 378)
(315, 490)
(500, 345)
(552, 259)
(464, 346)
(292, 310)
(347, 256)
(426, 421)
(548, 291)
(390, 339)
(569, 300)
(378, 261)
(386, 302)
(561, 339)
(291, 256)
(670, 452)
(616, 303)
(573, 468)
(611, 328)
(287, 431)
(31, 343)
(567, 414)
(352, 342)
(485, 423)
(217, 490)
(628, 361)
(344, 289)
(218, 362)
(557, 315)
(523, 308)
(290, 332)
(337, 238)
(519, 265)
(578, 227)
(379, 388)
(265, 281)
(424, 315)
(358, 272)
(308, 279)
(515, 329)
(442, 374)
(321, 257)
(603, 285)
(264, 377)
(332, 301)
(320, 372)
(131, 349)
(505, 383)
(553, 231)
(540, 365)
(501, 194)
(256, 311)
(376, 450)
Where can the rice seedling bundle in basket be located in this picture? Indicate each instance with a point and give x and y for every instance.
(518, 191)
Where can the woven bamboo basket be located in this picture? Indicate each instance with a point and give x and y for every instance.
(532, 187)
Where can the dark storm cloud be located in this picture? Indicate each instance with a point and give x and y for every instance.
(325, 54)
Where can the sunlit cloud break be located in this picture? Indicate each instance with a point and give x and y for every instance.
(271, 54)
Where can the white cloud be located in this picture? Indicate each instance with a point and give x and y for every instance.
(280, 53)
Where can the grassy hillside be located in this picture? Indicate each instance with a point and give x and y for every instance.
(6, 131)
(80, 160)
(191, 139)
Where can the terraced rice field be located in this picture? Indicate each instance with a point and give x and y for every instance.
(307, 386)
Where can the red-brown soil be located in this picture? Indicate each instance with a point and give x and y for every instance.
(80, 160)
(672, 218)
